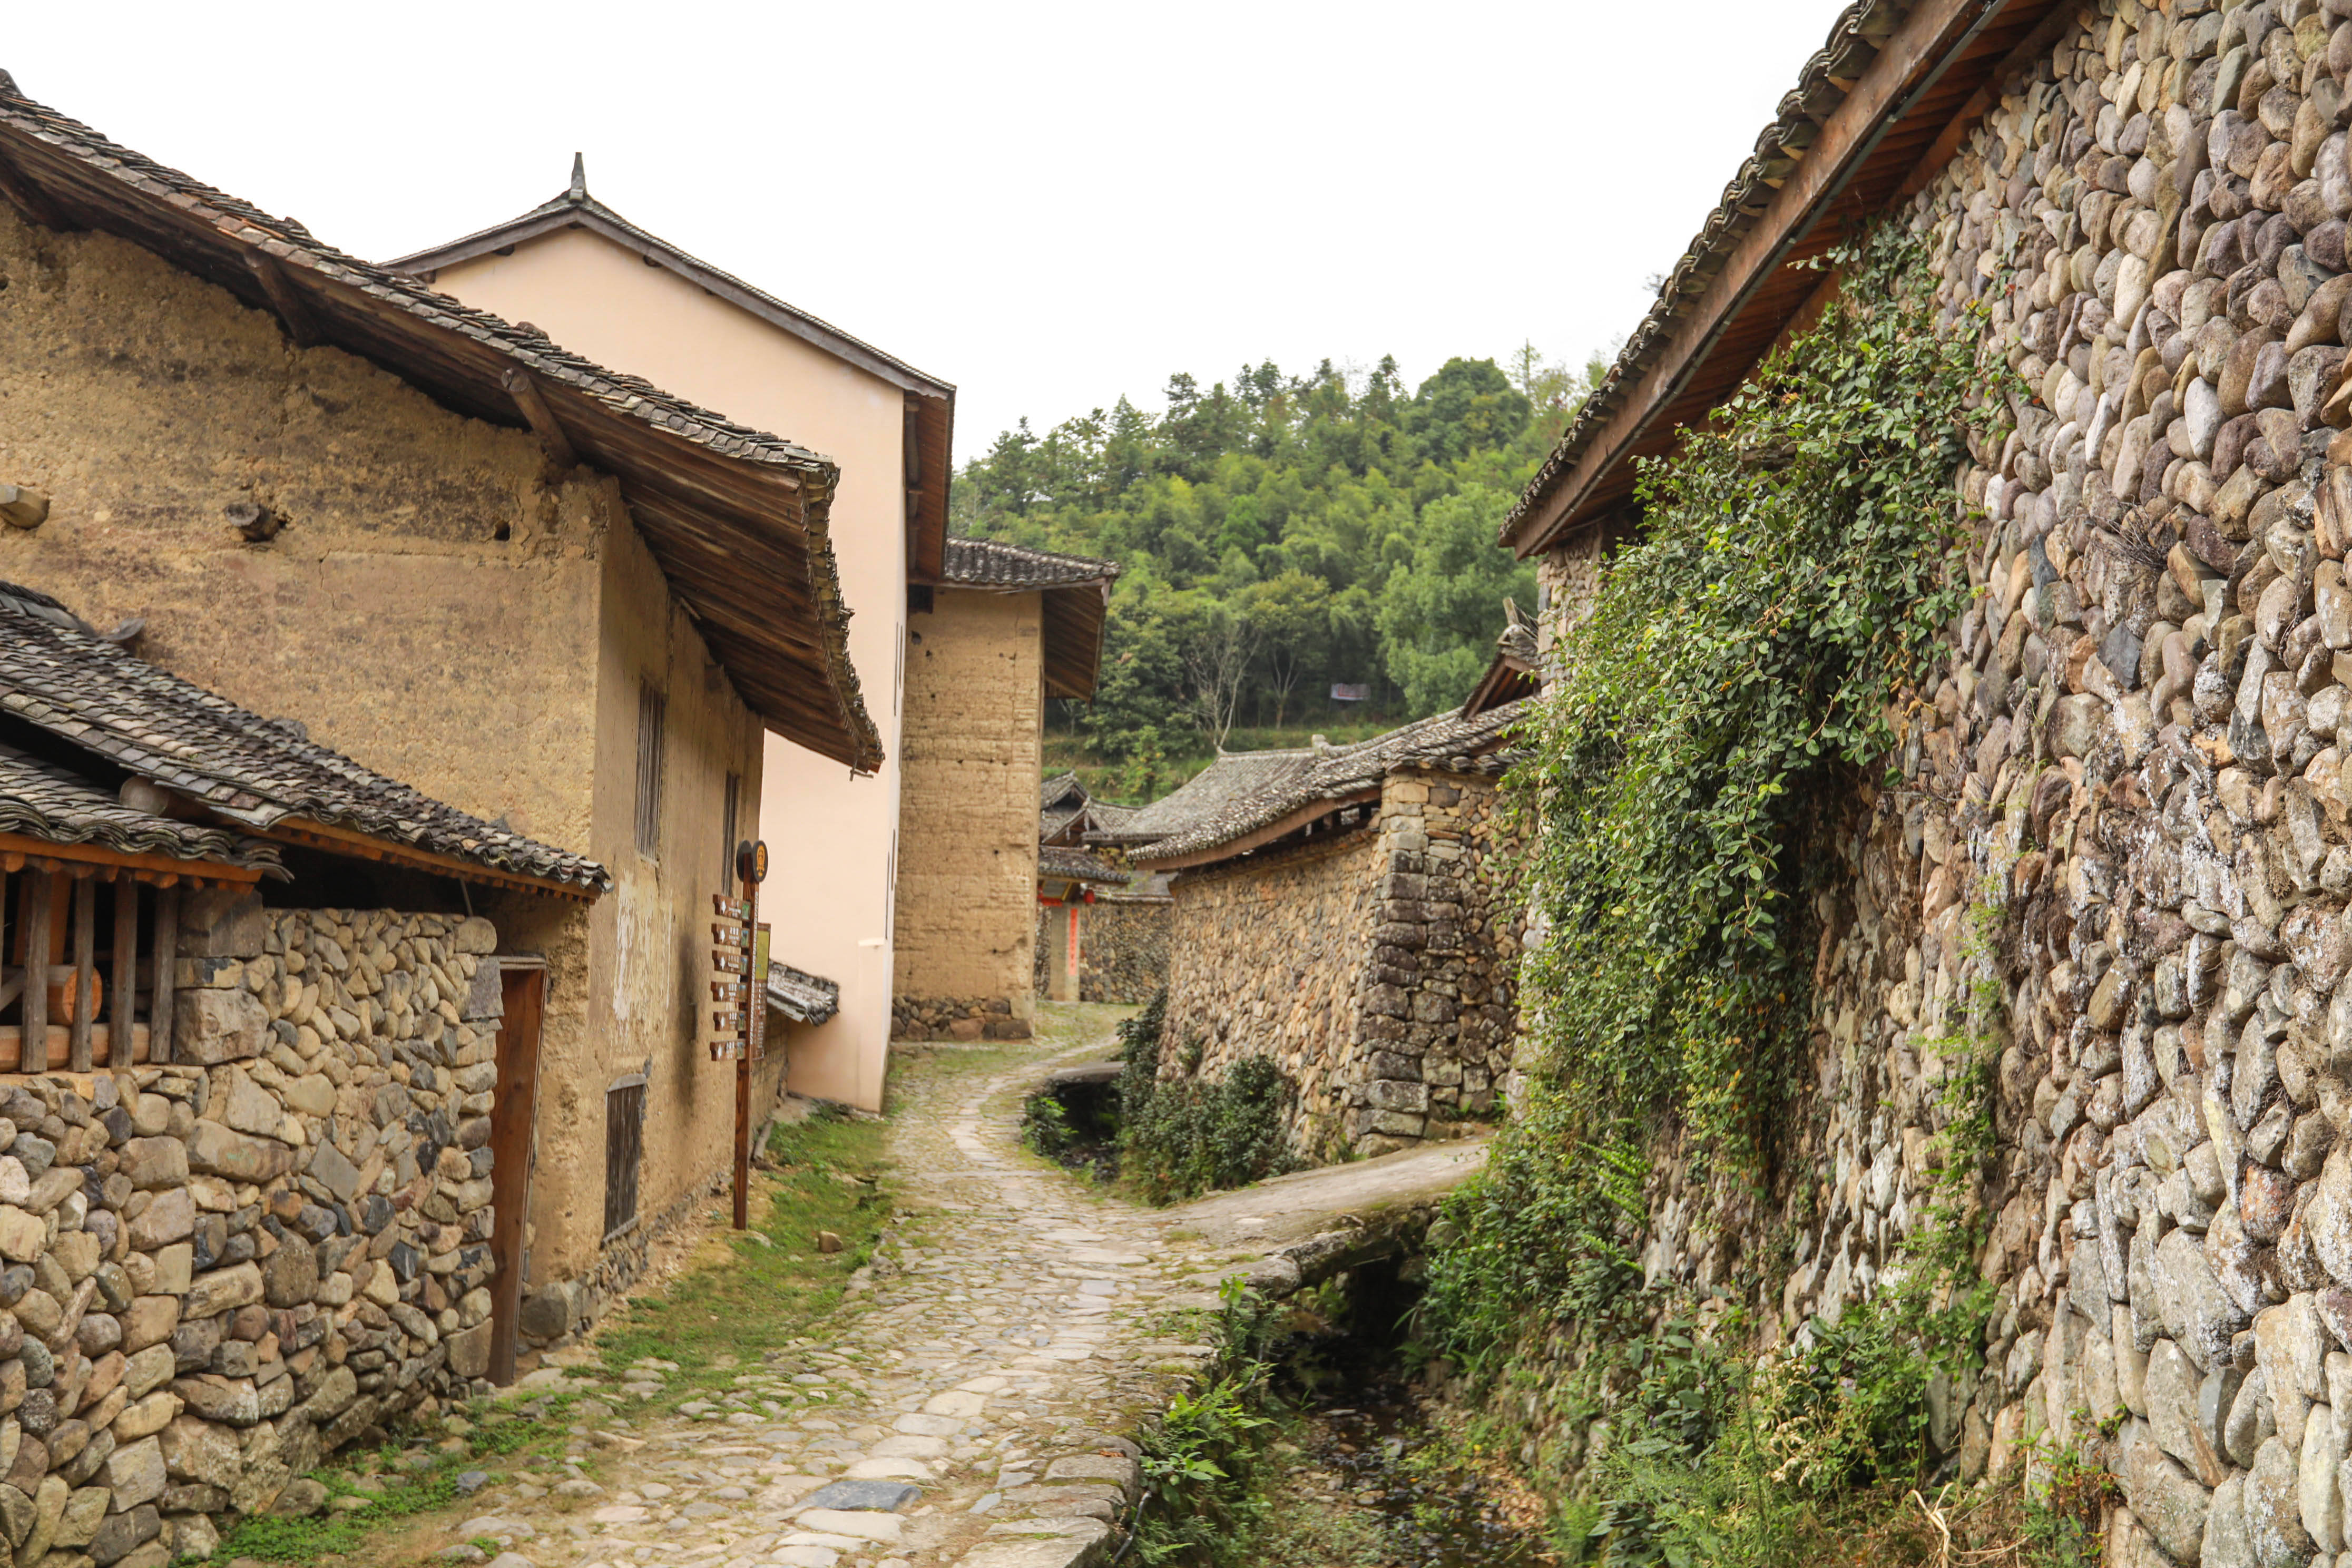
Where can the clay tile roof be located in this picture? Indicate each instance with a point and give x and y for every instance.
(802, 997)
(993, 563)
(1077, 591)
(736, 517)
(1241, 793)
(1057, 863)
(1910, 75)
(42, 800)
(60, 677)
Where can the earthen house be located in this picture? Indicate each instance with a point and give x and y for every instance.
(548, 593)
(605, 287)
(1346, 911)
(1102, 926)
(267, 1094)
(1001, 630)
(2133, 769)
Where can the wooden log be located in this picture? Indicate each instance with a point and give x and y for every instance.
(167, 960)
(84, 977)
(28, 199)
(58, 1057)
(536, 413)
(126, 958)
(293, 311)
(36, 920)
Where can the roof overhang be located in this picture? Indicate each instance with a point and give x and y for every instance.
(336, 840)
(930, 402)
(1282, 826)
(1842, 149)
(736, 519)
(1507, 680)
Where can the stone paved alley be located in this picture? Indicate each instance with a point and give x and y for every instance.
(1000, 1367)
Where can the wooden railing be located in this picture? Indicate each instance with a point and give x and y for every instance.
(89, 998)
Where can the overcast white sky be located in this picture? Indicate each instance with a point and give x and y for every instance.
(1047, 204)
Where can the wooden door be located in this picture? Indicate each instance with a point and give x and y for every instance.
(525, 999)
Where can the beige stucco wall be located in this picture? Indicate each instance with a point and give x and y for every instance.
(967, 819)
(389, 617)
(833, 835)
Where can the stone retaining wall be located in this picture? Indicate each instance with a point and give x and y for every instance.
(1123, 950)
(213, 1271)
(2133, 782)
(956, 1019)
(1377, 968)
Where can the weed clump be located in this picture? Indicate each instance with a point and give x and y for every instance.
(1179, 1137)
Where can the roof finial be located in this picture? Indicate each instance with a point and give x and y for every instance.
(579, 191)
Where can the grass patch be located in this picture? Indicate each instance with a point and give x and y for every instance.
(753, 1292)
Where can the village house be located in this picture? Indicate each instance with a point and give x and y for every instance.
(2131, 769)
(1001, 630)
(1102, 925)
(1345, 910)
(548, 593)
(267, 1094)
(604, 287)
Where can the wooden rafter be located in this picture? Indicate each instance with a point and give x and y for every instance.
(293, 313)
(532, 404)
(347, 841)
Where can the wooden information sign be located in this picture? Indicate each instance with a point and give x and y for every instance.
(739, 958)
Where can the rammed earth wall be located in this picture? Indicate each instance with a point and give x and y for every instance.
(213, 1271)
(1376, 967)
(2133, 776)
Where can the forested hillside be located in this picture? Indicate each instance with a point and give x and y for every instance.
(1280, 536)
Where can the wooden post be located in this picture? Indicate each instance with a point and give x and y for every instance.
(33, 1054)
(167, 958)
(85, 971)
(119, 1018)
(755, 995)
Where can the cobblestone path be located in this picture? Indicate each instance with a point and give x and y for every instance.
(992, 1366)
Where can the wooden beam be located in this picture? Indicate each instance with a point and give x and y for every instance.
(13, 844)
(1910, 62)
(126, 960)
(536, 413)
(28, 199)
(36, 917)
(293, 311)
(85, 968)
(349, 841)
(167, 959)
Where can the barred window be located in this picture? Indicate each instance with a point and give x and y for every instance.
(625, 1142)
(650, 714)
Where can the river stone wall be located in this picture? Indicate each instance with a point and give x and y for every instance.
(1123, 949)
(2124, 820)
(216, 1270)
(1376, 967)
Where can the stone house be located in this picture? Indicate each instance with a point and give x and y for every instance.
(2136, 748)
(548, 593)
(1102, 929)
(1000, 629)
(265, 1099)
(605, 287)
(1346, 910)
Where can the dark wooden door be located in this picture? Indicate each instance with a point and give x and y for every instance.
(525, 998)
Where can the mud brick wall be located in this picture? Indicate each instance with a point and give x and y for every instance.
(1377, 968)
(2124, 821)
(216, 1270)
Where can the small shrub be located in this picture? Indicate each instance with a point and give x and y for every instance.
(1183, 1137)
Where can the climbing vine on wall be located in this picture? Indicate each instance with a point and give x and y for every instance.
(1795, 573)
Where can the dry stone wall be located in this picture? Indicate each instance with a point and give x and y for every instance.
(2124, 837)
(213, 1271)
(1125, 957)
(1376, 968)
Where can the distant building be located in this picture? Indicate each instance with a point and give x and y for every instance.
(1000, 630)
(1345, 910)
(1102, 926)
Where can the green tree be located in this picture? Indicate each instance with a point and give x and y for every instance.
(1440, 611)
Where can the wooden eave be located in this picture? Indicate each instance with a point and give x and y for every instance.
(927, 515)
(1281, 827)
(19, 850)
(740, 535)
(339, 840)
(1902, 117)
(1507, 680)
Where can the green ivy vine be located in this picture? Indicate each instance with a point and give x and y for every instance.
(1796, 567)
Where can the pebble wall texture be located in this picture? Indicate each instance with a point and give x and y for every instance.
(213, 1271)
(2136, 763)
(1123, 950)
(956, 1019)
(1376, 968)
